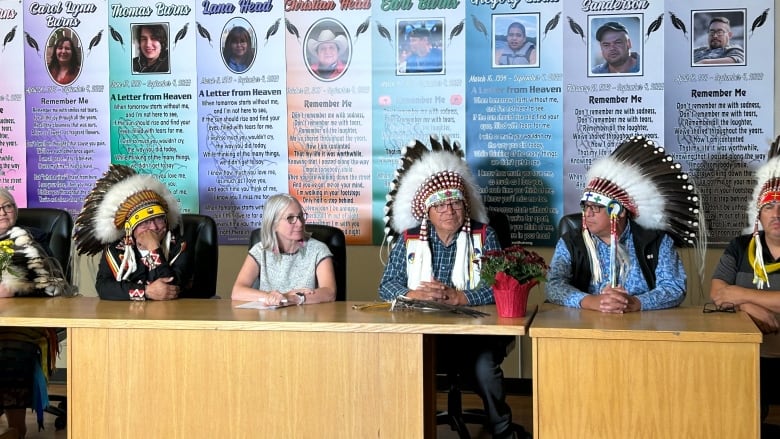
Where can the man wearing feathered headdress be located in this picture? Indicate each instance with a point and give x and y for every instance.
(435, 211)
(132, 218)
(748, 273)
(636, 205)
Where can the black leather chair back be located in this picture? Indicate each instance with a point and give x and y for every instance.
(572, 221)
(57, 225)
(500, 223)
(200, 234)
(336, 241)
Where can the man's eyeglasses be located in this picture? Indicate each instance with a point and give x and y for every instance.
(723, 307)
(158, 221)
(718, 32)
(8, 208)
(595, 208)
(292, 219)
(455, 205)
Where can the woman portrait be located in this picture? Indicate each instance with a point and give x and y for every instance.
(238, 49)
(64, 56)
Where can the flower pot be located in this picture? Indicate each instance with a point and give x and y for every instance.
(512, 299)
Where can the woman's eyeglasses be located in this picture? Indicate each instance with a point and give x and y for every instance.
(292, 219)
(723, 307)
(8, 208)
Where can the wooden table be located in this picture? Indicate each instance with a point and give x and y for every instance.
(204, 369)
(674, 373)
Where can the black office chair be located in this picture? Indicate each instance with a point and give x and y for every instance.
(336, 241)
(500, 223)
(57, 227)
(449, 380)
(572, 221)
(200, 234)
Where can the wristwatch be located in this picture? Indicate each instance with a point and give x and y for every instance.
(303, 298)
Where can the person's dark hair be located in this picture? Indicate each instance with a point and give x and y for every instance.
(518, 25)
(158, 33)
(75, 57)
(723, 20)
(237, 33)
(420, 32)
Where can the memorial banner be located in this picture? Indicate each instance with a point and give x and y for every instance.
(153, 93)
(66, 100)
(13, 160)
(242, 106)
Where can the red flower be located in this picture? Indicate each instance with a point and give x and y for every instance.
(514, 262)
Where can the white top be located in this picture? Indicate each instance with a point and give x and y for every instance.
(285, 272)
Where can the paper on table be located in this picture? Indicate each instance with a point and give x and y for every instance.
(261, 305)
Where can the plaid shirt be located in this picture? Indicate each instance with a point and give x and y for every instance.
(394, 279)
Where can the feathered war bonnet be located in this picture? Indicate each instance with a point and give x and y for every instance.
(767, 191)
(428, 177)
(28, 270)
(642, 179)
(120, 200)
(25, 267)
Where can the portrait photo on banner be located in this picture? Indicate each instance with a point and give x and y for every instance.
(615, 45)
(239, 43)
(420, 47)
(718, 38)
(515, 40)
(64, 55)
(328, 49)
(151, 44)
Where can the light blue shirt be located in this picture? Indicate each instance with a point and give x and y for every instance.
(670, 276)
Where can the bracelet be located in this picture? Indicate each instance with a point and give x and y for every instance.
(137, 294)
(303, 298)
(152, 260)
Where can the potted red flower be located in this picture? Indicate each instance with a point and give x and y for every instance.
(512, 272)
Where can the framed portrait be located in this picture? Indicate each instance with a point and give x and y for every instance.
(718, 38)
(239, 43)
(515, 40)
(615, 45)
(151, 43)
(420, 47)
(327, 50)
(64, 56)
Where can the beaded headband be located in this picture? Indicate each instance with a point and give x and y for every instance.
(438, 188)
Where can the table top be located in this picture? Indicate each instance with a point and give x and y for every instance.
(91, 312)
(686, 323)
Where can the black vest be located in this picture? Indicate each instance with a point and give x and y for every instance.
(646, 243)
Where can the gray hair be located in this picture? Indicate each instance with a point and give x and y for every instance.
(5, 193)
(272, 212)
